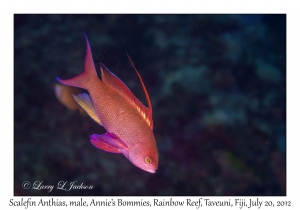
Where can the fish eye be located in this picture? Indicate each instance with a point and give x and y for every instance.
(148, 160)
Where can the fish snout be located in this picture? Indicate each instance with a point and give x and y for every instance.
(151, 170)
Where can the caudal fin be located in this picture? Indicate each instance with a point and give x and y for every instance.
(89, 71)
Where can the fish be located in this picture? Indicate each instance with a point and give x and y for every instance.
(111, 104)
(64, 95)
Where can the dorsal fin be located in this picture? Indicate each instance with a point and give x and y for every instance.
(144, 88)
(84, 100)
(116, 84)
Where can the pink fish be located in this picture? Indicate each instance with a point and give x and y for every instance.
(112, 105)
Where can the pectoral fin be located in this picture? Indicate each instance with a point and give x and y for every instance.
(108, 142)
(84, 100)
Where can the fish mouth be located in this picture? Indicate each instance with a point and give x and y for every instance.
(151, 170)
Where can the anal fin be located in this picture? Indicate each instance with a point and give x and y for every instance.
(84, 100)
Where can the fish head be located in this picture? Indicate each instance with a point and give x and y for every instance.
(146, 160)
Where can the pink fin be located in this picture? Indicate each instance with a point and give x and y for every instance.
(101, 145)
(89, 70)
(115, 83)
(144, 88)
(108, 142)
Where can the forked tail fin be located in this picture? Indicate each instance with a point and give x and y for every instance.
(89, 71)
